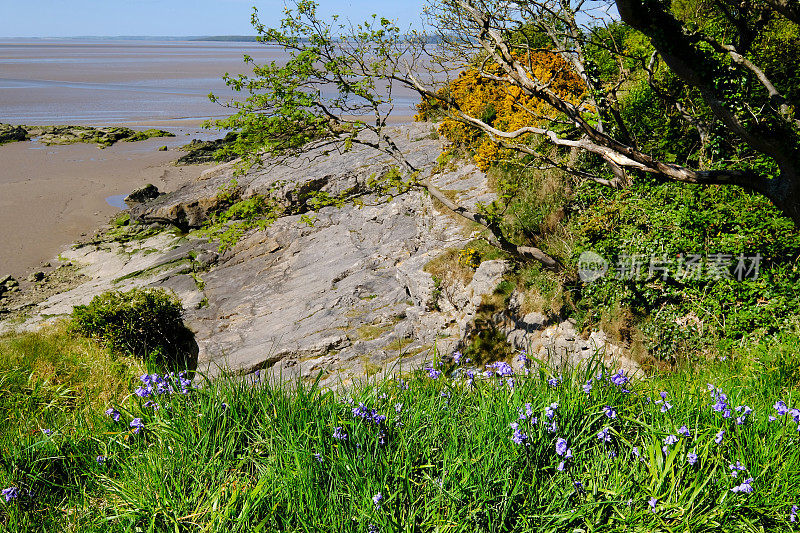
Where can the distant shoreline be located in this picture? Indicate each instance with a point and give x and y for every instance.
(220, 38)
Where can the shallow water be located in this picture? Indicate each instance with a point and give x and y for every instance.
(110, 81)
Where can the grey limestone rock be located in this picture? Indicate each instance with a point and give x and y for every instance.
(345, 296)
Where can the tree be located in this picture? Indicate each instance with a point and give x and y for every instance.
(713, 62)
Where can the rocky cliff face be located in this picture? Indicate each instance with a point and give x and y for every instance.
(345, 293)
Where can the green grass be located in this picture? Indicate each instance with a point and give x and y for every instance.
(239, 454)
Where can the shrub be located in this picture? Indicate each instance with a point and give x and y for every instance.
(146, 323)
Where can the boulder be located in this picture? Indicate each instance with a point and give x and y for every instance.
(9, 133)
(140, 196)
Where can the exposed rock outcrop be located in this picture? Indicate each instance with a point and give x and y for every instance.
(148, 192)
(103, 137)
(343, 292)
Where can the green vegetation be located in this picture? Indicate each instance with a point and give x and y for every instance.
(145, 323)
(439, 449)
(102, 137)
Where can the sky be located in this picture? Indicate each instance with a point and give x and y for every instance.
(71, 18)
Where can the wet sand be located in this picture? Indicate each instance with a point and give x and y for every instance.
(52, 196)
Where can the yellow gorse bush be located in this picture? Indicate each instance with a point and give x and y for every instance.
(503, 105)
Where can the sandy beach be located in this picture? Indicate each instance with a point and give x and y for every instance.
(51, 196)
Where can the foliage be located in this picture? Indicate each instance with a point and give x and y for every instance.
(146, 323)
(670, 223)
(452, 446)
(498, 104)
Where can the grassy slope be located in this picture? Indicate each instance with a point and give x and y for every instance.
(239, 455)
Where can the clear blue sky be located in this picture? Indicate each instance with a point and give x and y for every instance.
(69, 18)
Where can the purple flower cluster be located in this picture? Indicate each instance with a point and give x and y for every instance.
(11, 493)
(114, 414)
(368, 415)
(604, 435)
(137, 425)
(156, 385)
(744, 411)
(518, 437)
(609, 411)
(563, 450)
(432, 372)
(501, 368)
(339, 434)
(745, 487)
(736, 468)
(619, 379)
(665, 405)
(720, 404)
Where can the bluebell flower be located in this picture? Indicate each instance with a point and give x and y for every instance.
(318, 457)
(684, 431)
(718, 437)
(470, 377)
(457, 357)
(552, 428)
(619, 379)
(610, 411)
(377, 500)
(652, 502)
(100, 459)
(721, 405)
(338, 433)
(670, 439)
(398, 408)
(561, 446)
(560, 466)
(519, 437)
(771, 418)
(781, 407)
(587, 388)
(604, 435)
(553, 382)
(635, 452)
(793, 514)
(691, 458)
(523, 357)
(11, 493)
(745, 487)
(502, 368)
(114, 414)
(550, 411)
(736, 468)
(137, 425)
(433, 373)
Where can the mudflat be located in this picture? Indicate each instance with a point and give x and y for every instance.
(52, 195)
